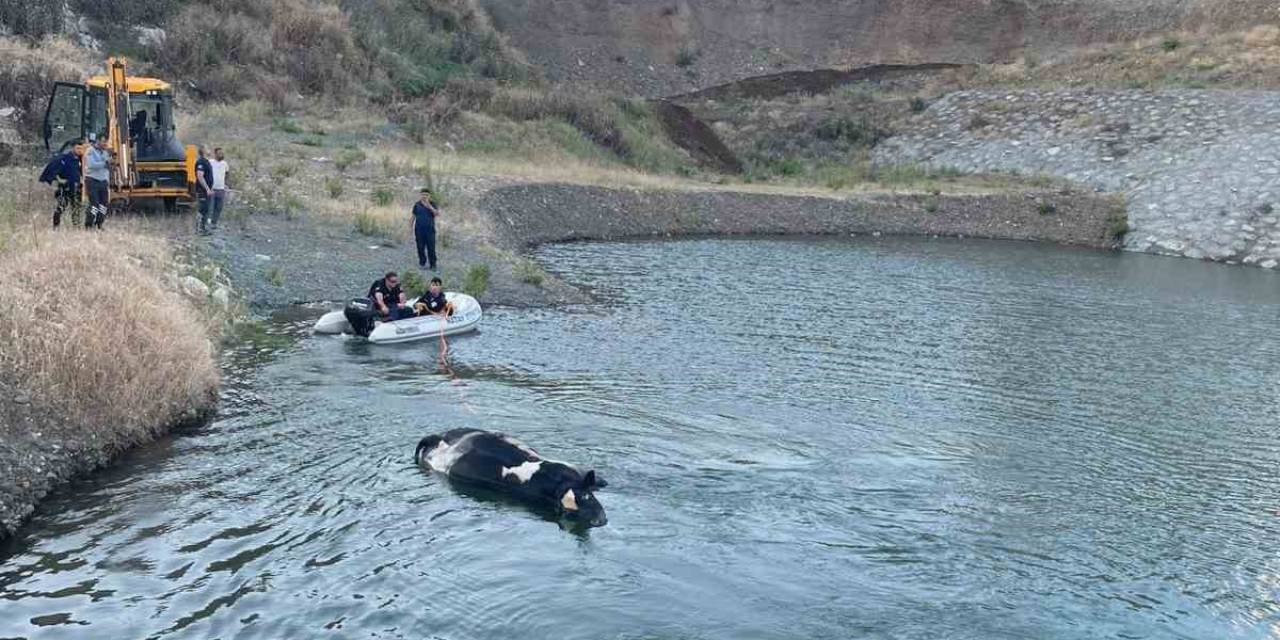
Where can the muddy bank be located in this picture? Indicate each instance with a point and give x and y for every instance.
(277, 260)
(527, 215)
(40, 452)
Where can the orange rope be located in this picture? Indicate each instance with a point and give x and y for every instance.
(444, 344)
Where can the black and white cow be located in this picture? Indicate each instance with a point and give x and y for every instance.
(505, 464)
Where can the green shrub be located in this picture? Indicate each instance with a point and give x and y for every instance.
(284, 171)
(529, 272)
(1119, 227)
(348, 158)
(432, 179)
(275, 276)
(413, 283)
(789, 167)
(918, 105)
(383, 196)
(859, 132)
(369, 224)
(1170, 44)
(286, 125)
(311, 142)
(290, 205)
(477, 280)
(686, 57)
(335, 186)
(1047, 208)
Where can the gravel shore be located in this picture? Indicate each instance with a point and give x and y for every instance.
(276, 261)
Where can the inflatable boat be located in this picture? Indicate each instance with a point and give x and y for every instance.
(360, 318)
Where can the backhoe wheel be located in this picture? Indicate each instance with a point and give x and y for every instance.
(171, 204)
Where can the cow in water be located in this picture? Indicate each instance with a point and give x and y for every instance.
(505, 464)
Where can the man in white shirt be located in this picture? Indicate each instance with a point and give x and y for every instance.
(220, 167)
(98, 179)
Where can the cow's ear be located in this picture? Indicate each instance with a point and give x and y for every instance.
(592, 481)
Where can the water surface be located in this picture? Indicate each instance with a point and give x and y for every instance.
(875, 438)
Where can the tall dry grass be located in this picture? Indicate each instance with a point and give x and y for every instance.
(93, 335)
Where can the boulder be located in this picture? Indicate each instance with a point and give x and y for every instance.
(151, 37)
(195, 288)
(222, 296)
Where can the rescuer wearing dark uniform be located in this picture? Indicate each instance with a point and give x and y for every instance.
(63, 171)
(388, 297)
(424, 229)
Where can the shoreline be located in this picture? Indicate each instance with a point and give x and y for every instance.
(278, 261)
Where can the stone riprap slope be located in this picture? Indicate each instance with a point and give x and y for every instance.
(1200, 170)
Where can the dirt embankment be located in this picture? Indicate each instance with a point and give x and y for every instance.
(528, 215)
(665, 48)
(114, 360)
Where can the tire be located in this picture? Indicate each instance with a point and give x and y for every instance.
(171, 204)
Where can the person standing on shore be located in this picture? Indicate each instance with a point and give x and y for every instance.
(219, 168)
(204, 190)
(424, 229)
(64, 173)
(97, 165)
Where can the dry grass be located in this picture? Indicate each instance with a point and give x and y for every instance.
(117, 351)
(1244, 59)
(28, 71)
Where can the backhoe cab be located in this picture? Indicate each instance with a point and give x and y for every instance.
(135, 117)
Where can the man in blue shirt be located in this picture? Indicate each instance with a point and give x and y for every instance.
(424, 229)
(63, 171)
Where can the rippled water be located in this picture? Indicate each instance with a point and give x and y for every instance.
(825, 439)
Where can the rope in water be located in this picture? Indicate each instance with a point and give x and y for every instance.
(444, 362)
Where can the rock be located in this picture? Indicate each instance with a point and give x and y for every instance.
(222, 297)
(150, 36)
(7, 112)
(261, 258)
(1268, 264)
(195, 288)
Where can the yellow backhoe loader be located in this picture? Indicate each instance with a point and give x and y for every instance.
(135, 117)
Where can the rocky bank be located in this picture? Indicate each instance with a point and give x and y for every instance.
(1199, 170)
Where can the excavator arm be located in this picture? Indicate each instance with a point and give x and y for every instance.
(118, 124)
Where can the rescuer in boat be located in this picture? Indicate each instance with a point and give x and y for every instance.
(433, 302)
(388, 297)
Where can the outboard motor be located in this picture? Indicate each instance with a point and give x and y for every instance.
(360, 314)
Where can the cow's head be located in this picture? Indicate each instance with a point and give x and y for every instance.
(577, 501)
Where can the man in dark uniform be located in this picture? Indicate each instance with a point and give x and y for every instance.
(424, 229)
(433, 302)
(204, 190)
(63, 171)
(388, 297)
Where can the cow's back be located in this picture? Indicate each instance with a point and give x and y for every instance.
(487, 457)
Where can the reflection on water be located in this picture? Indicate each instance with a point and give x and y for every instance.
(826, 439)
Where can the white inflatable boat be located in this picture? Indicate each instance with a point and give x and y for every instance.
(466, 317)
